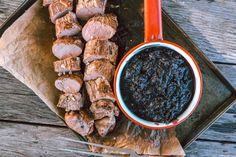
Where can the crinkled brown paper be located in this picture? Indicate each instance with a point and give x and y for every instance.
(26, 54)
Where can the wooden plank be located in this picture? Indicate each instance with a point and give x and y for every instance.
(229, 71)
(26, 108)
(222, 130)
(202, 148)
(10, 85)
(29, 140)
(210, 24)
(7, 8)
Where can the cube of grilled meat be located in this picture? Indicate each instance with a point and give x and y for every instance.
(99, 89)
(88, 8)
(81, 122)
(71, 102)
(67, 47)
(58, 8)
(67, 26)
(67, 65)
(100, 27)
(99, 68)
(69, 83)
(105, 125)
(104, 108)
(100, 49)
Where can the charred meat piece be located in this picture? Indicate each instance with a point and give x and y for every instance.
(69, 83)
(58, 8)
(100, 49)
(88, 8)
(71, 102)
(104, 108)
(100, 27)
(99, 89)
(80, 122)
(67, 26)
(67, 65)
(99, 68)
(105, 125)
(67, 47)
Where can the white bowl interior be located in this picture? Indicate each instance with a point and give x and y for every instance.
(197, 84)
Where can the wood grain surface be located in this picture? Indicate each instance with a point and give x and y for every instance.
(29, 128)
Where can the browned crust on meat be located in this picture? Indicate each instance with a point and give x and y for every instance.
(104, 108)
(100, 49)
(67, 65)
(81, 122)
(90, 7)
(108, 20)
(99, 68)
(71, 102)
(61, 7)
(69, 40)
(67, 22)
(105, 125)
(99, 89)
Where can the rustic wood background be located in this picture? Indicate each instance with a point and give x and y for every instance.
(29, 128)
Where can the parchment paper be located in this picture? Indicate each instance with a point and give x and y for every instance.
(26, 54)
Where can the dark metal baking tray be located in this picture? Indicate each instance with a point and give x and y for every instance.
(218, 93)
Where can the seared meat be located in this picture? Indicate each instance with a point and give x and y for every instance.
(105, 125)
(71, 102)
(67, 65)
(67, 26)
(104, 108)
(69, 83)
(99, 89)
(67, 47)
(88, 8)
(58, 8)
(100, 49)
(101, 27)
(99, 68)
(80, 122)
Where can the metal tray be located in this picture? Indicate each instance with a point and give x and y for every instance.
(218, 93)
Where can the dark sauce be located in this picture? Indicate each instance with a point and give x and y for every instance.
(157, 84)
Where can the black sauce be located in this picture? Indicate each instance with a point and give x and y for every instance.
(157, 84)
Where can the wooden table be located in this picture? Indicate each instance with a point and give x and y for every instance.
(29, 128)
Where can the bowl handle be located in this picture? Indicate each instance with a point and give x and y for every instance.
(152, 20)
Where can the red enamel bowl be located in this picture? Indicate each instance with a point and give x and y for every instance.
(153, 38)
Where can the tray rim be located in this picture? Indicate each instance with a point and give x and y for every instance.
(210, 120)
(224, 106)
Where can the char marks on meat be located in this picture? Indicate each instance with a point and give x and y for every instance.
(69, 83)
(67, 65)
(104, 108)
(99, 68)
(81, 122)
(100, 27)
(105, 125)
(58, 8)
(67, 25)
(67, 47)
(100, 49)
(86, 9)
(71, 102)
(99, 89)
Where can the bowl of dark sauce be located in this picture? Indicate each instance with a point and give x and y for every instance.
(158, 85)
